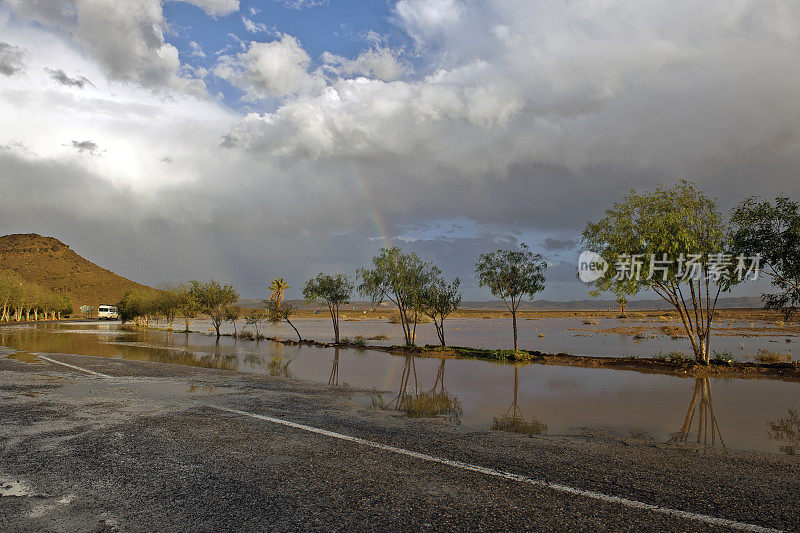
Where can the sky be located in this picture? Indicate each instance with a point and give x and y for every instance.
(252, 139)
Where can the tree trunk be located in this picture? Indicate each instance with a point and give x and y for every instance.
(514, 324)
(295, 330)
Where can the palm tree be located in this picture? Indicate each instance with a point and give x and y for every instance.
(277, 288)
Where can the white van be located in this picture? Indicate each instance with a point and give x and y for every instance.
(107, 312)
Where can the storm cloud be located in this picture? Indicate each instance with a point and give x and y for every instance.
(10, 59)
(498, 124)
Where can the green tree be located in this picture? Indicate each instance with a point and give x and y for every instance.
(331, 290)
(188, 306)
(673, 242)
(232, 314)
(772, 231)
(213, 298)
(278, 311)
(511, 275)
(254, 319)
(439, 299)
(137, 305)
(277, 289)
(167, 302)
(400, 277)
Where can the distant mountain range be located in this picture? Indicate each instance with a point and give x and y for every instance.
(538, 305)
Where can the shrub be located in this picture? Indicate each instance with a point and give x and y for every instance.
(723, 357)
(381, 337)
(431, 404)
(360, 341)
(517, 424)
(768, 357)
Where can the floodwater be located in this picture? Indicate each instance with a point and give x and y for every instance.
(568, 335)
(737, 413)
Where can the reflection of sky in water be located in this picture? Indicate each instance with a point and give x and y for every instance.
(558, 336)
(566, 399)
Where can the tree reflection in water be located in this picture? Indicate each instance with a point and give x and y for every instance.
(513, 420)
(786, 430)
(334, 377)
(707, 423)
(409, 369)
(436, 401)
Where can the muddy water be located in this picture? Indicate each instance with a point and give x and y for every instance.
(733, 412)
(568, 335)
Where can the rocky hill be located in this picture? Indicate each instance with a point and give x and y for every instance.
(53, 265)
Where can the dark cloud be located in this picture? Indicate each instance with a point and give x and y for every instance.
(557, 245)
(168, 160)
(61, 77)
(10, 59)
(85, 146)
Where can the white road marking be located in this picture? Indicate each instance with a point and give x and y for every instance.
(697, 517)
(74, 367)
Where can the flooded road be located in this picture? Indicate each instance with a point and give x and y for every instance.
(737, 413)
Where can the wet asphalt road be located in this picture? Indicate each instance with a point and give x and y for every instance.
(144, 449)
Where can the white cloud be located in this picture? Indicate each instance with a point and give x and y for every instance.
(302, 4)
(215, 8)
(125, 37)
(197, 50)
(379, 62)
(422, 19)
(274, 69)
(520, 116)
(254, 27)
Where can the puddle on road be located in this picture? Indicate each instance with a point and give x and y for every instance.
(14, 489)
(736, 413)
(25, 357)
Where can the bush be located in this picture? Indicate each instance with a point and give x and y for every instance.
(381, 337)
(360, 341)
(768, 357)
(723, 357)
(431, 404)
(516, 424)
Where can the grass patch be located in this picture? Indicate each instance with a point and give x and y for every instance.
(768, 357)
(430, 405)
(517, 424)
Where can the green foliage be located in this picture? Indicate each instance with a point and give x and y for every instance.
(517, 424)
(168, 301)
(255, 319)
(138, 305)
(511, 275)
(19, 297)
(213, 299)
(772, 230)
(401, 278)
(331, 290)
(279, 311)
(666, 224)
(187, 305)
(438, 299)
